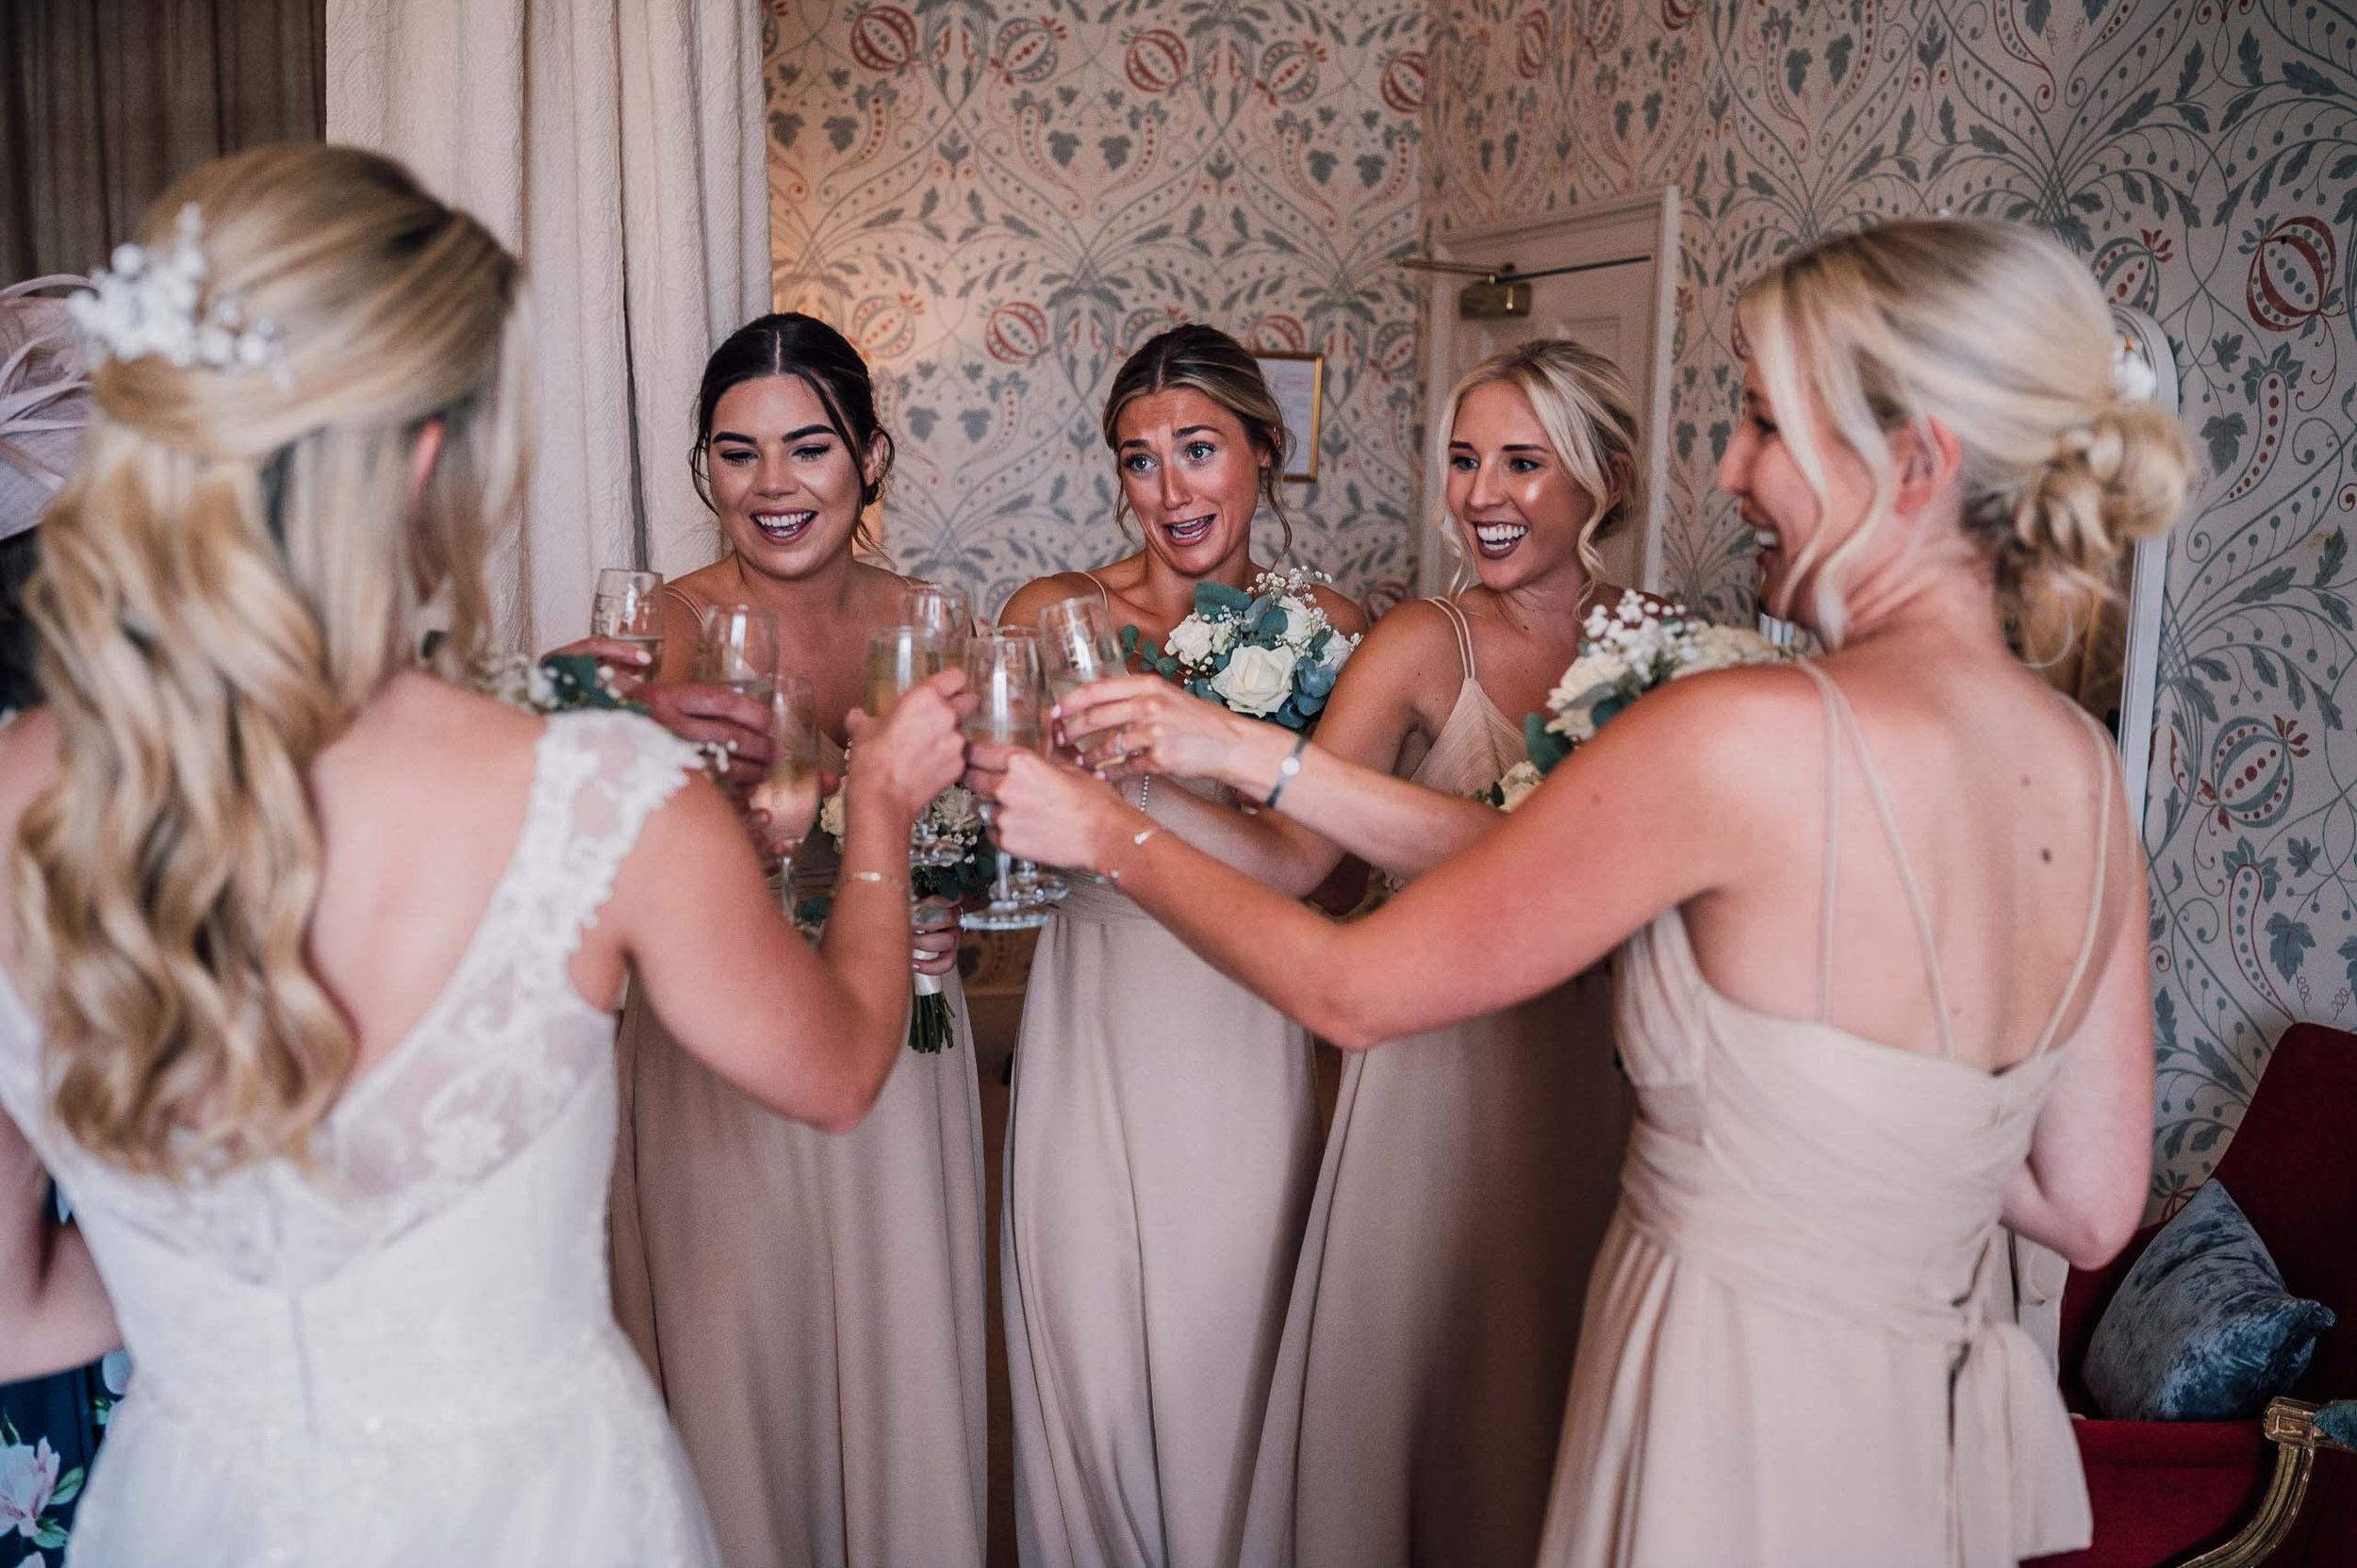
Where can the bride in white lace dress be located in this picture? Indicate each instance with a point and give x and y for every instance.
(309, 957)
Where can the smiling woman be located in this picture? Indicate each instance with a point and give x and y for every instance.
(813, 1305)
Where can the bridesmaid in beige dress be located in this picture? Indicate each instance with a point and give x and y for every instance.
(811, 1306)
(1163, 1132)
(1881, 928)
(1470, 1171)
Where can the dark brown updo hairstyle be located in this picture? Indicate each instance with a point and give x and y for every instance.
(806, 347)
(1207, 361)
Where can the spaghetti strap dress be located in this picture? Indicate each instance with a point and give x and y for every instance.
(1795, 1353)
(812, 1305)
(1160, 1149)
(1467, 1180)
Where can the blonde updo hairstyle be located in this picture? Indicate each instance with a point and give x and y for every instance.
(1207, 361)
(1584, 404)
(1993, 330)
(238, 566)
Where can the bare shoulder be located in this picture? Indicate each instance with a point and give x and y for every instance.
(1746, 737)
(1024, 605)
(1340, 609)
(1415, 633)
(706, 585)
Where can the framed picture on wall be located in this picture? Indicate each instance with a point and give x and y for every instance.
(1299, 382)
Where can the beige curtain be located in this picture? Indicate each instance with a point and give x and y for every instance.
(103, 103)
(619, 145)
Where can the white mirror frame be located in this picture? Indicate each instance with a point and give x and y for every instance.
(2142, 339)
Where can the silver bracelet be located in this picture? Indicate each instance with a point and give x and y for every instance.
(886, 878)
(1287, 771)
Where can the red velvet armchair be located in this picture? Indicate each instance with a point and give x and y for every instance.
(2236, 1493)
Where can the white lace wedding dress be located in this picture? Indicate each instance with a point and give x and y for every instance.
(408, 1355)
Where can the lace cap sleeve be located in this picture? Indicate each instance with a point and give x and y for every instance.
(608, 772)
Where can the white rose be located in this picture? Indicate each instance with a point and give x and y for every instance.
(1223, 635)
(954, 812)
(1586, 673)
(1515, 787)
(1301, 622)
(1193, 641)
(1256, 680)
(831, 816)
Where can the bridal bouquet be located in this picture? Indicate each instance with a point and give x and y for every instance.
(1270, 653)
(1624, 654)
(957, 822)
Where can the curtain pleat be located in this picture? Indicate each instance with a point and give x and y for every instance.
(107, 102)
(619, 145)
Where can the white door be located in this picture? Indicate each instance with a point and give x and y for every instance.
(1622, 310)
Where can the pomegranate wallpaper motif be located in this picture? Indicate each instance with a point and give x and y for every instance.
(2203, 156)
(998, 203)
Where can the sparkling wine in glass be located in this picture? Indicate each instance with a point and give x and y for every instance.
(1003, 666)
(738, 648)
(1079, 646)
(790, 792)
(898, 658)
(945, 612)
(629, 608)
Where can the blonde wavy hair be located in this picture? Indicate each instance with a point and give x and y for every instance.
(238, 566)
(1584, 403)
(1995, 332)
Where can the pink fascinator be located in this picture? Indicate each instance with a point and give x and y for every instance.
(45, 400)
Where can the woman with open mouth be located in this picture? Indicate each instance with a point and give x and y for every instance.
(812, 1306)
(1415, 1412)
(1163, 1137)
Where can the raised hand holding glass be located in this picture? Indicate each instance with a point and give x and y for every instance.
(1003, 665)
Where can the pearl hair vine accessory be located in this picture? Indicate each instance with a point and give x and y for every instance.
(146, 304)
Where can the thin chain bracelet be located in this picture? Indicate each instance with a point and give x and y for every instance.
(1137, 841)
(886, 878)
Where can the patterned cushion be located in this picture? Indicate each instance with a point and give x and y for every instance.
(2202, 1329)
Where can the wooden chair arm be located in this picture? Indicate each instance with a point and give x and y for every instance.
(2291, 1426)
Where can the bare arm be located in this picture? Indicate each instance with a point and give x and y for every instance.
(1345, 798)
(1636, 822)
(53, 1311)
(812, 1035)
(2082, 1189)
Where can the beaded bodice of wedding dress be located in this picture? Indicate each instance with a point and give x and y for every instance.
(406, 1354)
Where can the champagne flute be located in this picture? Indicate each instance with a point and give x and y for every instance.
(1079, 647)
(629, 608)
(900, 657)
(944, 611)
(790, 792)
(737, 648)
(1004, 665)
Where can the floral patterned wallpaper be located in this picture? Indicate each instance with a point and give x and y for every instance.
(998, 202)
(2202, 155)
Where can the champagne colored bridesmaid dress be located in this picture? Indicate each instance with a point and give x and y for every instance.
(1797, 1350)
(811, 1305)
(1467, 1181)
(1160, 1155)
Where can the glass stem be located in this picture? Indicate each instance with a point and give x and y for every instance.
(1002, 891)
